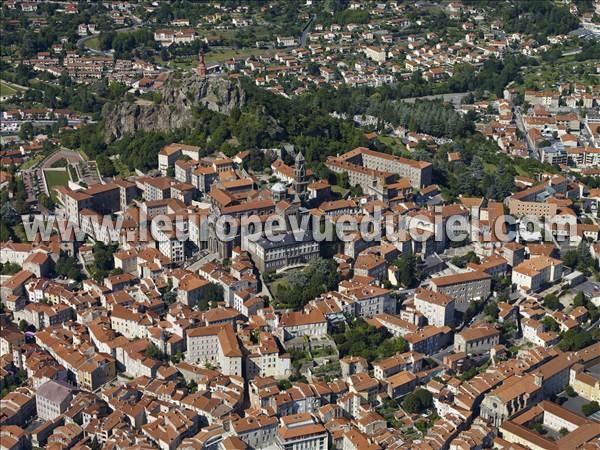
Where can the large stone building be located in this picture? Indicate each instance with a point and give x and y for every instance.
(298, 324)
(400, 362)
(532, 202)
(435, 306)
(536, 272)
(565, 429)
(302, 432)
(464, 287)
(289, 251)
(215, 345)
(476, 339)
(367, 168)
(52, 399)
(545, 98)
(172, 152)
(516, 394)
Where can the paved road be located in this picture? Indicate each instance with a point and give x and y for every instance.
(593, 326)
(205, 259)
(64, 153)
(39, 122)
(522, 129)
(264, 291)
(81, 44)
(305, 32)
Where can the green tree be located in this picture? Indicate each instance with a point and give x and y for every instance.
(4, 232)
(152, 351)
(491, 309)
(177, 357)
(418, 401)
(552, 302)
(580, 258)
(585, 260)
(320, 275)
(170, 297)
(590, 408)
(570, 258)
(105, 166)
(573, 340)
(46, 201)
(284, 384)
(103, 260)
(9, 268)
(211, 293)
(26, 131)
(67, 267)
(550, 324)
(407, 264)
(579, 299)
(361, 339)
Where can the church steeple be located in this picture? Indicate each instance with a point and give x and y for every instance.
(201, 70)
(300, 181)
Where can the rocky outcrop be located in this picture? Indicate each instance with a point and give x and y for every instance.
(174, 106)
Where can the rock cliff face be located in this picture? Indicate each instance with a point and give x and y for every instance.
(178, 96)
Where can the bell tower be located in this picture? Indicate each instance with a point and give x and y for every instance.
(201, 70)
(300, 180)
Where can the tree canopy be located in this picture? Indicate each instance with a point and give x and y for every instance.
(320, 275)
(418, 401)
(361, 339)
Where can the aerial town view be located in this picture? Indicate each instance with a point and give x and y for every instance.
(300, 224)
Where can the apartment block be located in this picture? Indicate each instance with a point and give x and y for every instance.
(52, 399)
(438, 308)
(536, 272)
(296, 323)
(463, 287)
(256, 431)
(532, 202)
(302, 432)
(586, 384)
(400, 362)
(379, 166)
(215, 345)
(476, 339)
(273, 255)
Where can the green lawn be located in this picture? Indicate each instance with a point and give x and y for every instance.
(31, 162)
(392, 142)
(212, 57)
(274, 284)
(282, 279)
(6, 90)
(83, 154)
(121, 167)
(339, 190)
(219, 55)
(93, 43)
(522, 172)
(56, 178)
